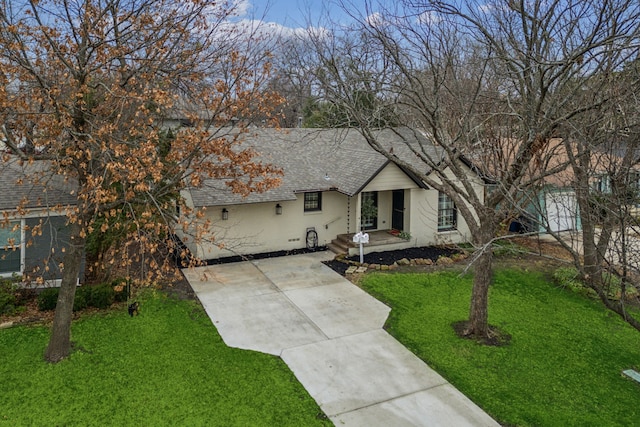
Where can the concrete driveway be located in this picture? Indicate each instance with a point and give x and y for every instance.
(329, 332)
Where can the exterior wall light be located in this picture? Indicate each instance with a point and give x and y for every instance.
(225, 214)
(278, 209)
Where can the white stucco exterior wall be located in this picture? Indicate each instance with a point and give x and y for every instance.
(424, 216)
(255, 228)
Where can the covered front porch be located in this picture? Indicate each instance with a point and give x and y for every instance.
(379, 241)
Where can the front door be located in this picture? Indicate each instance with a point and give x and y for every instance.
(397, 214)
(369, 210)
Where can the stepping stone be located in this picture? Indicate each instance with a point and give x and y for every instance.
(632, 374)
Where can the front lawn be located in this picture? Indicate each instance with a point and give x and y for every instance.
(563, 366)
(167, 366)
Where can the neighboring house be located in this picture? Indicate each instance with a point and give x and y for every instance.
(551, 202)
(33, 232)
(611, 159)
(334, 185)
(556, 199)
(555, 206)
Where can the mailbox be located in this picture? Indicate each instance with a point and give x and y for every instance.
(361, 237)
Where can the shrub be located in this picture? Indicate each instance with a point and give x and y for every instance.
(23, 295)
(8, 297)
(7, 303)
(613, 286)
(405, 235)
(102, 296)
(47, 299)
(121, 290)
(13, 299)
(567, 277)
(506, 248)
(83, 298)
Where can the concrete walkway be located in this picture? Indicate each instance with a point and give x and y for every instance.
(329, 332)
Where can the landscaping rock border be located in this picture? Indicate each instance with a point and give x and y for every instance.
(392, 260)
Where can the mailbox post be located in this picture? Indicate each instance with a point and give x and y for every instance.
(361, 238)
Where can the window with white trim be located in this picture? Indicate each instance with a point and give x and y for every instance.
(11, 247)
(313, 201)
(447, 213)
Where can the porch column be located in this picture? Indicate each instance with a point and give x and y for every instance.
(358, 213)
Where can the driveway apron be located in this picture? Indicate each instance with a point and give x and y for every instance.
(329, 332)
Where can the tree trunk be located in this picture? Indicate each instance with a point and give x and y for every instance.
(60, 341)
(478, 325)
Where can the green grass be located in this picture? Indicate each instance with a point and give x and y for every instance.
(564, 362)
(167, 366)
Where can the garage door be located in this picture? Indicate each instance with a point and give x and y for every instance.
(561, 211)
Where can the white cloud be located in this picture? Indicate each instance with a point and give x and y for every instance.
(242, 21)
(429, 18)
(505, 6)
(486, 8)
(241, 7)
(252, 26)
(376, 20)
(271, 29)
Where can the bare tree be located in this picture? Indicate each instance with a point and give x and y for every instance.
(604, 154)
(85, 87)
(493, 86)
(291, 81)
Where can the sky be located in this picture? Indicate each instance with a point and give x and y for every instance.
(295, 13)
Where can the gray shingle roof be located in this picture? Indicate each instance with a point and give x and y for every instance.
(16, 185)
(314, 160)
(311, 159)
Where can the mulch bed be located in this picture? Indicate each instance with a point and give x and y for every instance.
(390, 257)
(240, 258)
